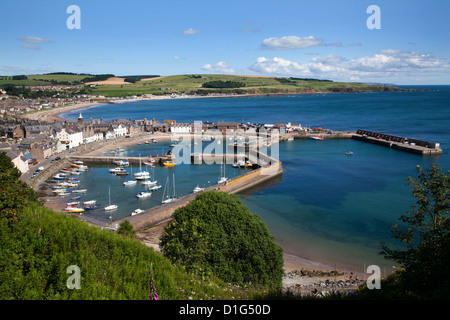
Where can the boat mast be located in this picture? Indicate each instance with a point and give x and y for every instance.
(174, 186)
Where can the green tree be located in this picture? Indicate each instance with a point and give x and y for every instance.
(217, 234)
(15, 195)
(425, 256)
(126, 229)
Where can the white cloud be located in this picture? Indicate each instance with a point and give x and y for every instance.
(191, 31)
(34, 40)
(279, 66)
(220, 67)
(383, 65)
(333, 44)
(178, 58)
(291, 42)
(30, 47)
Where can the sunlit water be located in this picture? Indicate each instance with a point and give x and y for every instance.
(327, 206)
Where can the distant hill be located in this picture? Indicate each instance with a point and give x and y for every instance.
(110, 85)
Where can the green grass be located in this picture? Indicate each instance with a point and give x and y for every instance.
(58, 77)
(191, 83)
(254, 85)
(27, 82)
(37, 248)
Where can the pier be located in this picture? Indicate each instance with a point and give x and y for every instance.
(399, 143)
(111, 159)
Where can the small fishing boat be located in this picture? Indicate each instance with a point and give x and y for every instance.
(75, 198)
(349, 153)
(149, 182)
(223, 178)
(78, 162)
(155, 188)
(239, 164)
(122, 162)
(90, 202)
(73, 203)
(60, 190)
(168, 163)
(116, 170)
(168, 198)
(63, 194)
(198, 189)
(142, 175)
(110, 206)
(316, 138)
(79, 191)
(137, 211)
(130, 183)
(92, 207)
(73, 209)
(144, 194)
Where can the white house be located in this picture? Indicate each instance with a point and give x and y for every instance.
(110, 135)
(119, 130)
(71, 137)
(94, 137)
(20, 162)
(181, 128)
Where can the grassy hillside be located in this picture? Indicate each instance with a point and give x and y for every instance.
(38, 247)
(192, 84)
(253, 85)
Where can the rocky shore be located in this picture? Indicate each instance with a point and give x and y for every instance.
(306, 282)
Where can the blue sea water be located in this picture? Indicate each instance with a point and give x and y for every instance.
(328, 206)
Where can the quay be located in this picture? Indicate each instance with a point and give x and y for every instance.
(399, 143)
(111, 159)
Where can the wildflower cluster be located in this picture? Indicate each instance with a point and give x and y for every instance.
(153, 293)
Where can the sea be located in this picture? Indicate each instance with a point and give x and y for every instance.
(327, 206)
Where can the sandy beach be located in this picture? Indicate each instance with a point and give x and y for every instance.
(53, 114)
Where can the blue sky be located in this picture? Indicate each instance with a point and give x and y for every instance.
(324, 39)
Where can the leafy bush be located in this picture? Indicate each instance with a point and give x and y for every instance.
(217, 234)
(223, 84)
(425, 235)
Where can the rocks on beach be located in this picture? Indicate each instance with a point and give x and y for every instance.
(319, 283)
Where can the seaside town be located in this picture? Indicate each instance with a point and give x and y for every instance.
(28, 141)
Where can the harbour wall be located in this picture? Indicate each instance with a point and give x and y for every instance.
(400, 143)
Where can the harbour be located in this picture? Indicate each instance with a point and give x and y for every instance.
(340, 205)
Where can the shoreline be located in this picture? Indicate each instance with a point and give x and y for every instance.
(293, 262)
(52, 115)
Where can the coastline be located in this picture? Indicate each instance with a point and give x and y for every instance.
(293, 262)
(52, 115)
